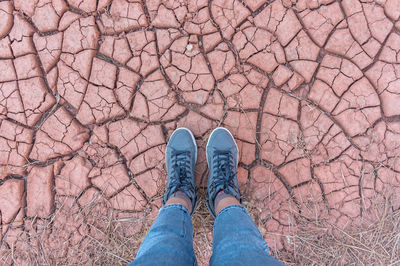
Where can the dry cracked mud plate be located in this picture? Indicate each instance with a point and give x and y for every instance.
(91, 90)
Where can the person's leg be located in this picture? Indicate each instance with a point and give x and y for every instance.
(237, 240)
(170, 239)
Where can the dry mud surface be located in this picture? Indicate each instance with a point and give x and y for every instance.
(90, 91)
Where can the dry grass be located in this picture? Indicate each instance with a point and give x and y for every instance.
(93, 234)
(374, 242)
(111, 239)
(202, 231)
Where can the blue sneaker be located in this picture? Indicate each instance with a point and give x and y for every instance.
(180, 157)
(222, 159)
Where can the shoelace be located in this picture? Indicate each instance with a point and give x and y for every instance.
(181, 170)
(223, 169)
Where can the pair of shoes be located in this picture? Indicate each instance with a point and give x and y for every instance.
(222, 159)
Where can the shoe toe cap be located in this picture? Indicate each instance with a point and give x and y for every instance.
(182, 139)
(221, 139)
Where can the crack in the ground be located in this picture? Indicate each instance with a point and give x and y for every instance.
(309, 91)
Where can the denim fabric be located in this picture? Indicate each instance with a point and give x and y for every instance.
(237, 240)
(170, 239)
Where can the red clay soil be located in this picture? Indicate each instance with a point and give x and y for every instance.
(91, 90)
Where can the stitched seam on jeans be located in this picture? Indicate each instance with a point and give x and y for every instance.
(183, 227)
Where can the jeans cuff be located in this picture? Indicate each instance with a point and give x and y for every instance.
(175, 206)
(243, 209)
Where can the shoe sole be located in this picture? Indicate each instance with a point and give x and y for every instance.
(208, 142)
(193, 139)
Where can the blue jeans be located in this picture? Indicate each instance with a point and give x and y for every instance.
(237, 240)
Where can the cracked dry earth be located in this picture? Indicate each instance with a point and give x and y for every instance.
(91, 90)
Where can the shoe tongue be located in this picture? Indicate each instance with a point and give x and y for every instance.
(181, 157)
(224, 165)
(223, 159)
